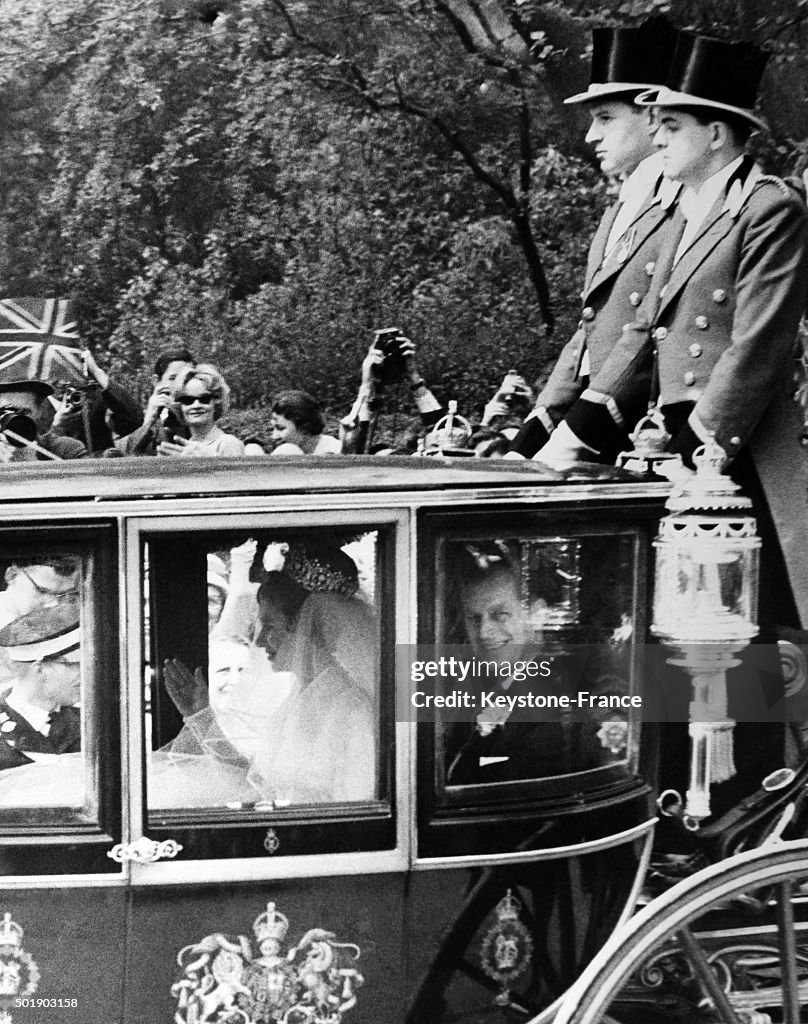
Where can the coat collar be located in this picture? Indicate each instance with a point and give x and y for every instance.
(649, 217)
(716, 226)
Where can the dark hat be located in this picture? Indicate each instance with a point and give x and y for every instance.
(628, 60)
(712, 74)
(38, 387)
(44, 632)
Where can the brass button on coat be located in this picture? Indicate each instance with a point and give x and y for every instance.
(695, 350)
(702, 323)
(660, 334)
(588, 313)
(719, 295)
(634, 298)
(650, 268)
(690, 378)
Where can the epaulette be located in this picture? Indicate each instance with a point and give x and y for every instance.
(772, 179)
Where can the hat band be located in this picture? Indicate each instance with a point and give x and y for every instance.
(666, 97)
(45, 648)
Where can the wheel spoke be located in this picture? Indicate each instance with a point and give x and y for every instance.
(788, 953)
(705, 975)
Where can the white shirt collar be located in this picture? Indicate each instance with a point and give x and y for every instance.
(642, 178)
(697, 204)
(634, 193)
(32, 713)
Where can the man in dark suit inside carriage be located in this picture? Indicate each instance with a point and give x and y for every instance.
(38, 712)
(517, 741)
(623, 252)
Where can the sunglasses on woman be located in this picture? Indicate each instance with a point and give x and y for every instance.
(203, 399)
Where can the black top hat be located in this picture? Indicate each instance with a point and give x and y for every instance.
(628, 60)
(38, 387)
(714, 75)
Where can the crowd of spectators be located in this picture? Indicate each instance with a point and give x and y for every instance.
(42, 420)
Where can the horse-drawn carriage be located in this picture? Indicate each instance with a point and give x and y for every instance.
(327, 846)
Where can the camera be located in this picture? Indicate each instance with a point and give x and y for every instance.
(392, 370)
(19, 423)
(170, 425)
(74, 395)
(511, 389)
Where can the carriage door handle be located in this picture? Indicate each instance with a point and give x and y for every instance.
(144, 851)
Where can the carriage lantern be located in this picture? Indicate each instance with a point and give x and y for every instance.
(705, 607)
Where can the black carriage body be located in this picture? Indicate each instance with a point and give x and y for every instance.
(442, 891)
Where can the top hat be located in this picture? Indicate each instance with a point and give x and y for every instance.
(712, 74)
(628, 60)
(46, 632)
(38, 387)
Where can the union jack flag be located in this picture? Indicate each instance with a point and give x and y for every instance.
(39, 341)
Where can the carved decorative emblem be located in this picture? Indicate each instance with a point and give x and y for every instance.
(271, 841)
(19, 974)
(222, 982)
(507, 948)
(613, 734)
(144, 851)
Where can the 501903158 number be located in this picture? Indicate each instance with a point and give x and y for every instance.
(69, 1003)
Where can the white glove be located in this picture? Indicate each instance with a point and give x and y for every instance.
(564, 448)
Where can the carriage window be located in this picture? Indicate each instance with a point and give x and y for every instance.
(543, 627)
(49, 688)
(262, 692)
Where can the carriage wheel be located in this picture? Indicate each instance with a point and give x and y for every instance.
(665, 927)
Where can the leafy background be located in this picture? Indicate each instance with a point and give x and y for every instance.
(269, 181)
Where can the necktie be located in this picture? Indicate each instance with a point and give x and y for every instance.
(65, 730)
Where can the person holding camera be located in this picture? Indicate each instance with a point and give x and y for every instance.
(161, 420)
(390, 359)
(510, 406)
(203, 397)
(297, 426)
(97, 411)
(22, 416)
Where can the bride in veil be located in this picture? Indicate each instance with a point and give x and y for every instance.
(291, 718)
(321, 744)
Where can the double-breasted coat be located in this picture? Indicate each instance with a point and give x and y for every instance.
(720, 333)
(615, 286)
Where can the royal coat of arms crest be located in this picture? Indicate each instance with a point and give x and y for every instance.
(222, 981)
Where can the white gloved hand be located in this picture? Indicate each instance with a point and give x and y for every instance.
(674, 470)
(564, 448)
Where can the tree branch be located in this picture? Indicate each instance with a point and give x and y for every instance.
(517, 207)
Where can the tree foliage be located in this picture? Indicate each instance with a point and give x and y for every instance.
(269, 180)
